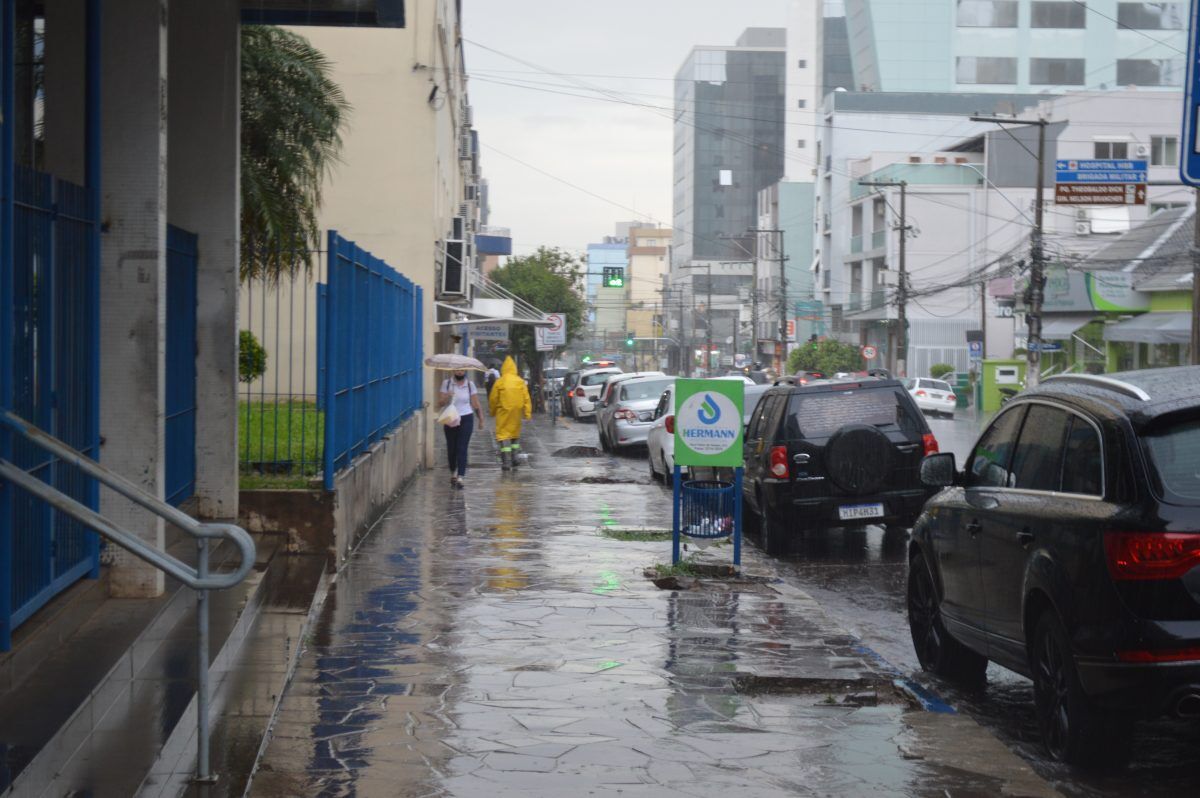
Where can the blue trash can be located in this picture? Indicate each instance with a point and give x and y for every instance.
(707, 509)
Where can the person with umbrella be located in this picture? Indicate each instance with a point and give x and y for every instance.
(464, 395)
(509, 400)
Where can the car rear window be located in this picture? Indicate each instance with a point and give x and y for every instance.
(597, 379)
(1174, 452)
(651, 389)
(819, 415)
(555, 374)
(936, 385)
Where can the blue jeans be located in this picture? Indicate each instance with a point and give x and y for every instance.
(457, 440)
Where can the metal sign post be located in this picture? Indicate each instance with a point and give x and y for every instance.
(1189, 161)
(708, 434)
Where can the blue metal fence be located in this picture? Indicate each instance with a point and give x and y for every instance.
(371, 345)
(53, 323)
(181, 366)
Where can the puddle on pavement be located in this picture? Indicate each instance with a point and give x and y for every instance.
(579, 451)
(608, 481)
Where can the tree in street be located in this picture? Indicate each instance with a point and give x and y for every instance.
(548, 279)
(828, 357)
(292, 114)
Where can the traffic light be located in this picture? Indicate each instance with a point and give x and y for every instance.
(614, 277)
(629, 339)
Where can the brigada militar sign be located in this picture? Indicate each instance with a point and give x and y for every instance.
(708, 422)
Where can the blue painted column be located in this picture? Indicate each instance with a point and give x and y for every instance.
(7, 98)
(92, 145)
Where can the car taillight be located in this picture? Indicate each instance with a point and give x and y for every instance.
(1151, 555)
(920, 393)
(571, 394)
(626, 414)
(1166, 655)
(669, 425)
(952, 397)
(930, 443)
(779, 464)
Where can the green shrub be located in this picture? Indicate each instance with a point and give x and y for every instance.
(939, 370)
(252, 357)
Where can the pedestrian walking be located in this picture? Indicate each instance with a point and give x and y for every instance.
(464, 394)
(508, 401)
(490, 377)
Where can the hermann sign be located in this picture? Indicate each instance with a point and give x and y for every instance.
(708, 422)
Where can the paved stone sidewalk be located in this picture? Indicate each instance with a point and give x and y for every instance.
(491, 642)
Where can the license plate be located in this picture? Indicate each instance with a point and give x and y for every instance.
(851, 512)
(938, 395)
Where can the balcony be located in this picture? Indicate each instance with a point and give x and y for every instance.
(878, 299)
(856, 244)
(879, 239)
(854, 302)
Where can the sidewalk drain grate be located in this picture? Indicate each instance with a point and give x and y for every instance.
(866, 692)
(609, 481)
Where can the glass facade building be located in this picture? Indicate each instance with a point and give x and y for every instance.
(729, 144)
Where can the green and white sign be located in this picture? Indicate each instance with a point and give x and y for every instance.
(708, 422)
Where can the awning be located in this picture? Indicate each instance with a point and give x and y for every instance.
(326, 13)
(491, 303)
(1061, 326)
(1152, 328)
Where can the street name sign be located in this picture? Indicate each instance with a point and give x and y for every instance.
(1099, 194)
(1110, 170)
(708, 422)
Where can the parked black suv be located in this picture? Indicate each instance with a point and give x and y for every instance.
(834, 454)
(1067, 550)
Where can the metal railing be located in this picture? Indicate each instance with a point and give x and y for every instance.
(197, 578)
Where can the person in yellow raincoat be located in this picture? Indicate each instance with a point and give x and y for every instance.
(508, 400)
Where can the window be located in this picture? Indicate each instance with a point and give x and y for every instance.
(802, 103)
(819, 415)
(800, 144)
(1083, 468)
(989, 462)
(981, 14)
(725, 177)
(1155, 207)
(1150, 72)
(664, 402)
(1057, 15)
(1150, 16)
(1111, 149)
(1056, 71)
(1037, 462)
(1164, 151)
(986, 70)
(803, 63)
(1174, 448)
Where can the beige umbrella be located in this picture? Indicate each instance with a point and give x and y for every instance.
(453, 362)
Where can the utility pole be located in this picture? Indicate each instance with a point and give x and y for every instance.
(902, 274)
(1037, 266)
(754, 317)
(783, 303)
(708, 326)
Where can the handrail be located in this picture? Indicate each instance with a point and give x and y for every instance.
(135, 545)
(198, 578)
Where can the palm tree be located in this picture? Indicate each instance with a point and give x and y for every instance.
(292, 113)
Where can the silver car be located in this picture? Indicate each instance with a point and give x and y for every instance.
(585, 393)
(626, 411)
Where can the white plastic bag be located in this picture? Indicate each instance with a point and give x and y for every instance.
(449, 416)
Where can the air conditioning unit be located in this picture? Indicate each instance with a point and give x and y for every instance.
(458, 227)
(468, 116)
(1142, 150)
(466, 210)
(464, 147)
(471, 192)
(454, 268)
(1083, 228)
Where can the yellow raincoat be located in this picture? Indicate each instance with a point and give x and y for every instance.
(508, 399)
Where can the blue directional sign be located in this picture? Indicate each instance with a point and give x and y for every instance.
(1189, 162)
(1099, 171)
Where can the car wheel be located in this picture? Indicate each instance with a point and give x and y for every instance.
(1074, 730)
(937, 651)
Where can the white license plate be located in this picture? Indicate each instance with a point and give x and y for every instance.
(851, 512)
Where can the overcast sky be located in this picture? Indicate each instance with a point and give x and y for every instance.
(546, 50)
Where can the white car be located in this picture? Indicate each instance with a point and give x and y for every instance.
(585, 393)
(932, 396)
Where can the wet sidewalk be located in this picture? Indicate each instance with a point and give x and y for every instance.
(494, 642)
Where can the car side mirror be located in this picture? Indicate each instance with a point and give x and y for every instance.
(938, 470)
